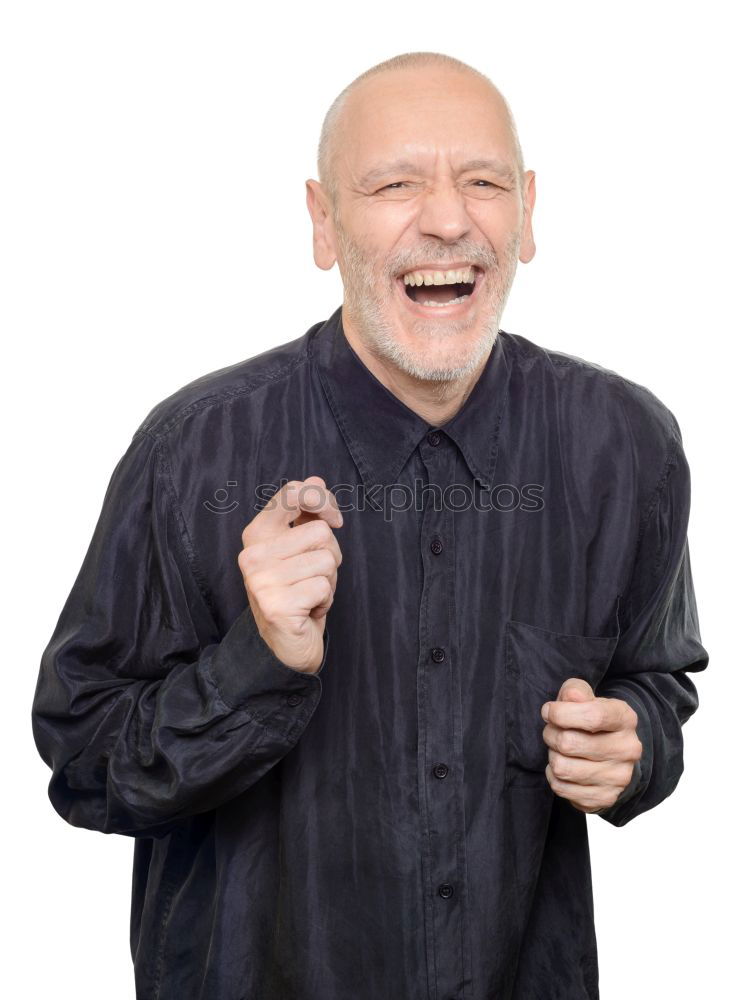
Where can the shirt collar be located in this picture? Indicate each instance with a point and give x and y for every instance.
(381, 432)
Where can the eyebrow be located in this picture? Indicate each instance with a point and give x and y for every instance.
(407, 166)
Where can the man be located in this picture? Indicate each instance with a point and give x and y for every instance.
(355, 728)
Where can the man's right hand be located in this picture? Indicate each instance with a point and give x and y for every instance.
(290, 570)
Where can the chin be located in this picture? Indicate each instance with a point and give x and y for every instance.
(438, 356)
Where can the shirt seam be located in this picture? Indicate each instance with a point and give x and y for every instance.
(183, 530)
(159, 435)
(655, 497)
(225, 396)
(651, 506)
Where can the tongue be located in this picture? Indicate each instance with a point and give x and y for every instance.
(435, 293)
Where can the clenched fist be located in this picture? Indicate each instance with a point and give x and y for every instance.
(289, 563)
(593, 746)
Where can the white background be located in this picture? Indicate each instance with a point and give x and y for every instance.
(154, 228)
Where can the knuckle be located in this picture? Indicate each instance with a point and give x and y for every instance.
(569, 742)
(248, 570)
(558, 767)
(626, 772)
(593, 716)
(320, 533)
(250, 555)
(328, 561)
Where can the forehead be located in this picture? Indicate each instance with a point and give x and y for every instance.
(422, 116)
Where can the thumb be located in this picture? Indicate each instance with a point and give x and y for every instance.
(575, 689)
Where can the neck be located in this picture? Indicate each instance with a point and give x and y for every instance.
(434, 402)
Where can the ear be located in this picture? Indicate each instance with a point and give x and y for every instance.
(324, 245)
(527, 243)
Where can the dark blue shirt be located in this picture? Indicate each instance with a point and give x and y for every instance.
(382, 829)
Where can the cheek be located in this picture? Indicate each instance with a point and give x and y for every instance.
(384, 225)
(498, 221)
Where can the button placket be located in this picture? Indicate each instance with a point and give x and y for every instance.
(440, 751)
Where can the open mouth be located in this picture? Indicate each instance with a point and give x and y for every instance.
(441, 291)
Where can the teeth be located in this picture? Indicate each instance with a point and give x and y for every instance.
(465, 274)
(440, 305)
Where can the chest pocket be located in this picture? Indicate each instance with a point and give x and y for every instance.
(537, 662)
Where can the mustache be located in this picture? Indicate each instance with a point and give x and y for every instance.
(479, 256)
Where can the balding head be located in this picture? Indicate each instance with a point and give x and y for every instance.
(424, 203)
(402, 71)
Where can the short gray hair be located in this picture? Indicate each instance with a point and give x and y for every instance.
(326, 145)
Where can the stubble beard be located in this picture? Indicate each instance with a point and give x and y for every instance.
(368, 286)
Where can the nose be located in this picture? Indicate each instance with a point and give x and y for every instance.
(443, 213)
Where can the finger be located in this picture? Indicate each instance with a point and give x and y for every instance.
(313, 592)
(590, 798)
(598, 715)
(320, 610)
(285, 572)
(575, 689)
(593, 746)
(287, 503)
(315, 534)
(277, 513)
(590, 772)
(316, 500)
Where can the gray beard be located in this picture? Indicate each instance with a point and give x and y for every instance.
(366, 305)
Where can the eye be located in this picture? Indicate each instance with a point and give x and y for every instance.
(392, 186)
(483, 188)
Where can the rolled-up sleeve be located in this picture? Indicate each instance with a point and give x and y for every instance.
(659, 642)
(142, 711)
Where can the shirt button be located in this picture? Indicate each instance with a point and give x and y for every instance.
(438, 654)
(445, 890)
(293, 699)
(440, 770)
(436, 546)
(433, 437)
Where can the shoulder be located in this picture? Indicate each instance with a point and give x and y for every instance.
(267, 371)
(601, 407)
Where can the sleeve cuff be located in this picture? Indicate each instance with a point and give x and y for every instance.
(249, 677)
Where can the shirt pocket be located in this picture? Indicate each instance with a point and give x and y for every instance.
(537, 662)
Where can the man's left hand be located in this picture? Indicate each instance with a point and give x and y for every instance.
(593, 746)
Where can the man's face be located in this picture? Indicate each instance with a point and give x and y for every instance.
(428, 185)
